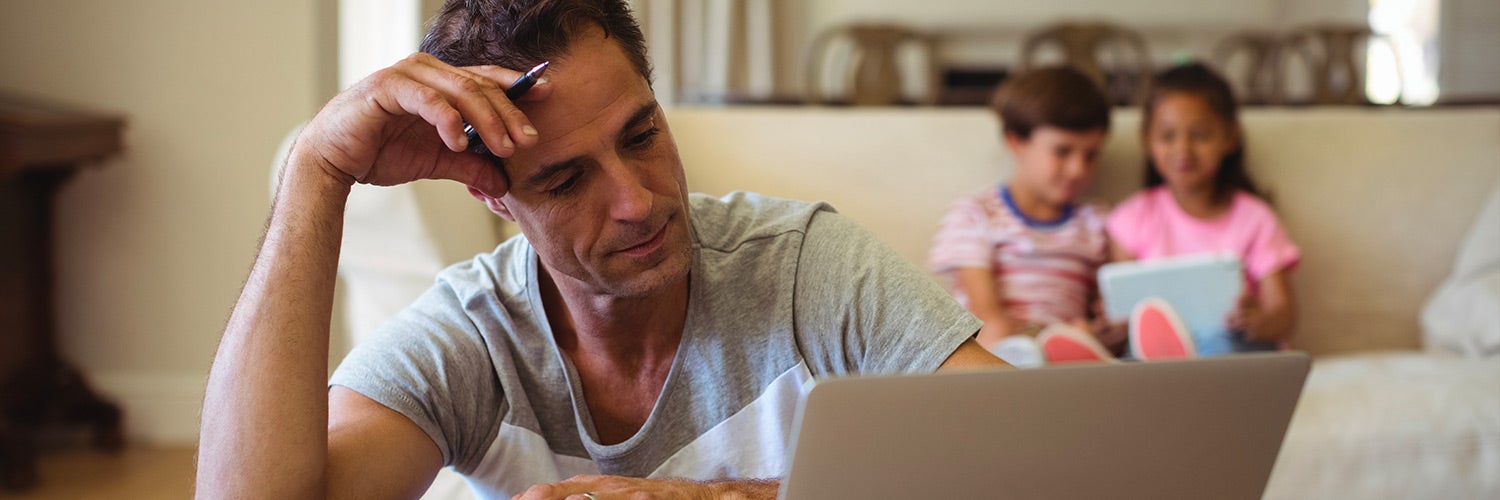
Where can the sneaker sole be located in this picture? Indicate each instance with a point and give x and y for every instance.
(1061, 344)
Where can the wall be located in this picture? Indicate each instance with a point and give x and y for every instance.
(153, 246)
(1470, 69)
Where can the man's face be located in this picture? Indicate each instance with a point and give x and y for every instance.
(602, 196)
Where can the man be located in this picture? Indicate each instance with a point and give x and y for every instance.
(635, 332)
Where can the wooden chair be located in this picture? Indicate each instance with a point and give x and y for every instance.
(1086, 45)
(1260, 82)
(1334, 56)
(872, 74)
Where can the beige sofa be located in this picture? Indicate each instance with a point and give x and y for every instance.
(1379, 200)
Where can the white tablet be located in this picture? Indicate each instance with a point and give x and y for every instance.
(1202, 288)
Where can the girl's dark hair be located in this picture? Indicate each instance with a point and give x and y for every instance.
(519, 34)
(1199, 80)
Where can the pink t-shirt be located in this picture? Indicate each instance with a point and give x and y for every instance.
(1151, 225)
(1044, 269)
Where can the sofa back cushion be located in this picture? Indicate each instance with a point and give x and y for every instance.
(1378, 199)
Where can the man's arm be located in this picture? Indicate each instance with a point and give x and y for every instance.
(613, 487)
(266, 426)
(375, 452)
(265, 413)
(971, 355)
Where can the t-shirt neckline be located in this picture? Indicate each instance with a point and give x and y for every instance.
(1221, 219)
(1010, 203)
(583, 417)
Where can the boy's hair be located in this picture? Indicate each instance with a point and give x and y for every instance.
(1059, 97)
(1199, 80)
(519, 34)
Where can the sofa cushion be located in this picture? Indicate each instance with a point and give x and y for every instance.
(1463, 316)
(1394, 425)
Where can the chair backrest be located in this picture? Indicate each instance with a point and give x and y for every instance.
(1333, 56)
(872, 73)
(1085, 45)
(1260, 82)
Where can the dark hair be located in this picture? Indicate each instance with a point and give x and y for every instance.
(1058, 97)
(1199, 80)
(519, 34)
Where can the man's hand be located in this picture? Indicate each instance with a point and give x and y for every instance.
(616, 487)
(266, 408)
(406, 122)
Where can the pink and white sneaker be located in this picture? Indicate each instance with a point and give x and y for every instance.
(1065, 344)
(1157, 333)
(1021, 351)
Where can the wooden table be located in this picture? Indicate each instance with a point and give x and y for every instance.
(41, 146)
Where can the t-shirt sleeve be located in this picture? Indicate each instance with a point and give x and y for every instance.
(1270, 250)
(860, 308)
(961, 240)
(429, 363)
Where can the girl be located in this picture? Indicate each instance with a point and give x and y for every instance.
(1199, 198)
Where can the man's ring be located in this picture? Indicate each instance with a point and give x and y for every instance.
(590, 496)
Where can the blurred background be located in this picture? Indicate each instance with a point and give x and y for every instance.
(150, 243)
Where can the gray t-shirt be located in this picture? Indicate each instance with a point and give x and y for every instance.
(781, 293)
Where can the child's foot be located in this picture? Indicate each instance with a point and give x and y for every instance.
(1157, 333)
(1020, 351)
(1066, 344)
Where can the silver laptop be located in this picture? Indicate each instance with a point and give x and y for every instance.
(1201, 428)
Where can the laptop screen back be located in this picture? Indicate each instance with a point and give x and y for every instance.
(1203, 428)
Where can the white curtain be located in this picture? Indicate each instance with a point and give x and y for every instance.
(711, 51)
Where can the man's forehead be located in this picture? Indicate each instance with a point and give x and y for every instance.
(564, 158)
(595, 92)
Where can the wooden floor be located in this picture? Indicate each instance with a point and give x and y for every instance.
(136, 473)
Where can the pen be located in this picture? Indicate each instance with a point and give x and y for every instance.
(516, 90)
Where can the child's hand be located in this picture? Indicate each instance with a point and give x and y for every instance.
(1108, 334)
(1111, 333)
(1248, 317)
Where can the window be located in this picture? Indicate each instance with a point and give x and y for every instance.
(374, 34)
(1405, 67)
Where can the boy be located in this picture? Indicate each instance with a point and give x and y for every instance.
(1022, 255)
